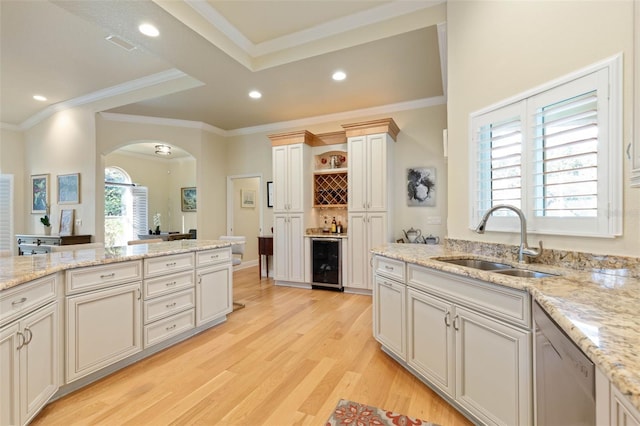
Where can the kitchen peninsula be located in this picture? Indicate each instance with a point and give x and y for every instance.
(77, 316)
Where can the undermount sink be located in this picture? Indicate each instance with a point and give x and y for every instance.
(524, 273)
(498, 268)
(485, 265)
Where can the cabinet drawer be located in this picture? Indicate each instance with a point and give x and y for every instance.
(26, 297)
(168, 327)
(167, 264)
(94, 277)
(170, 304)
(168, 283)
(389, 267)
(38, 240)
(494, 300)
(29, 249)
(211, 257)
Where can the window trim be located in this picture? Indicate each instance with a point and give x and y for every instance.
(614, 164)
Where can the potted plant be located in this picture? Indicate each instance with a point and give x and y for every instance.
(46, 221)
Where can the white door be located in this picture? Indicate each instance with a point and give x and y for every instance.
(295, 179)
(357, 182)
(214, 295)
(280, 178)
(38, 360)
(430, 339)
(10, 374)
(296, 253)
(389, 319)
(280, 247)
(493, 369)
(103, 327)
(358, 257)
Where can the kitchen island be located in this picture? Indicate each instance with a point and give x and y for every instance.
(69, 318)
(593, 299)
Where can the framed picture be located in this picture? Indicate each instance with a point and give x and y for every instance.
(69, 189)
(269, 194)
(66, 222)
(247, 198)
(188, 199)
(421, 186)
(39, 193)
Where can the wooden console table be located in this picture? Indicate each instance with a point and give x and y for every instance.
(265, 248)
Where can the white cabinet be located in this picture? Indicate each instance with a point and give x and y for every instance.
(214, 286)
(634, 151)
(103, 327)
(289, 179)
(28, 365)
(612, 406)
(369, 172)
(288, 247)
(365, 231)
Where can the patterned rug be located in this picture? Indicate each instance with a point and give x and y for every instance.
(356, 414)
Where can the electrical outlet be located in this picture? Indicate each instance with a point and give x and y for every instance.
(78, 222)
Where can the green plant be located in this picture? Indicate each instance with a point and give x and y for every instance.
(45, 220)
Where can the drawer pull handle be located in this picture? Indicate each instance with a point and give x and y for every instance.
(111, 275)
(30, 334)
(215, 256)
(171, 264)
(171, 305)
(447, 319)
(172, 283)
(18, 302)
(171, 327)
(21, 340)
(455, 322)
(390, 268)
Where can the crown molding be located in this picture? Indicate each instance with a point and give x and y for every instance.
(160, 121)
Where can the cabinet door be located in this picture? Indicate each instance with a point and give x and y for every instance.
(10, 374)
(295, 168)
(38, 361)
(280, 178)
(280, 247)
(389, 322)
(358, 257)
(622, 412)
(357, 182)
(103, 327)
(296, 253)
(493, 369)
(377, 172)
(214, 294)
(430, 339)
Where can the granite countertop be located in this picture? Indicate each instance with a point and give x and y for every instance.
(17, 270)
(596, 307)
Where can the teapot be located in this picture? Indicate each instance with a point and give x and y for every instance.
(432, 240)
(412, 234)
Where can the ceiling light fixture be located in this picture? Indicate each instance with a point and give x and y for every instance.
(339, 75)
(254, 94)
(149, 30)
(163, 150)
(39, 98)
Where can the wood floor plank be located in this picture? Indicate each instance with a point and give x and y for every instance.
(286, 358)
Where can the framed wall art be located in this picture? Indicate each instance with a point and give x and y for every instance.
(421, 186)
(39, 193)
(69, 189)
(248, 198)
(66, 222)
(188, 199)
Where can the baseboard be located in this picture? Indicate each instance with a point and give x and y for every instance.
(245, 265)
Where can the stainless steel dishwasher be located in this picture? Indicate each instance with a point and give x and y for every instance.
(565, 377)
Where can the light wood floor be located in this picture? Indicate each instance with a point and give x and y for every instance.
(285, 359)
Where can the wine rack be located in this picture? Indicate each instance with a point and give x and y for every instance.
(330, 189)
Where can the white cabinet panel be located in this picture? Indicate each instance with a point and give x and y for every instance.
(369, 175)
(288, 247)
(366, 230)
(214, 294)
(10, 375)
(389, 318)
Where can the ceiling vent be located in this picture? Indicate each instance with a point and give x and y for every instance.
(121, 43)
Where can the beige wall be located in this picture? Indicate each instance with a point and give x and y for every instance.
(498, 49)
(182, 174)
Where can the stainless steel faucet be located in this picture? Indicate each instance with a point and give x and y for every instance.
(524, 249)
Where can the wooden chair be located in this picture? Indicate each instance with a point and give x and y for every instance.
(148, 241)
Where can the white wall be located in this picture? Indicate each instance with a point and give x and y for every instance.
(497, 49)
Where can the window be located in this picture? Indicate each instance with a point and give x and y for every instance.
(6, 213)
(555, 153)
(125, 208)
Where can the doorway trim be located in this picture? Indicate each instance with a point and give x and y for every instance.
(230, 180)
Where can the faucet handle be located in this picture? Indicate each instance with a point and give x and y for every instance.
(531, 252)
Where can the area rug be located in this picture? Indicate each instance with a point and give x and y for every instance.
(356, 414)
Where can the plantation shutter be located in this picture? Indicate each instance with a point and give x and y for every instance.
(140, 211)
(6, 213)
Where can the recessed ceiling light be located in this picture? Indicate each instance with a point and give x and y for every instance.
(39, 98)
(149, 30)
(255, 94)
(339, 75)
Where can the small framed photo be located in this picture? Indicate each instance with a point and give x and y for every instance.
(39, 193)
(69, 189)
(188, 199)
(248, 198)
(421, 186)
(269, 194)
(66, 222)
